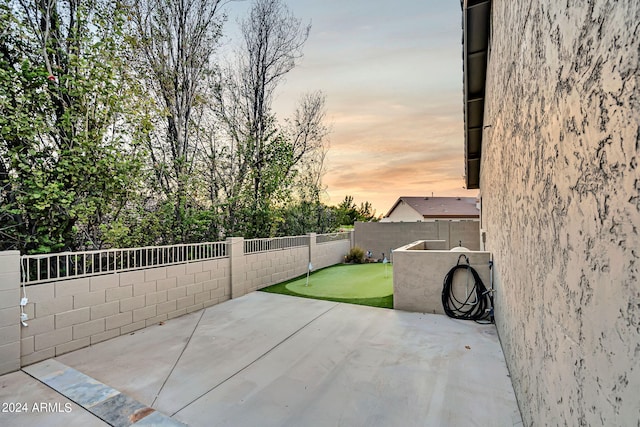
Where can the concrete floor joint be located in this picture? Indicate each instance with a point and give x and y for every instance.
(178, 359)
(258, 358)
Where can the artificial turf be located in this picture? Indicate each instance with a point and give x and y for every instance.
(364, 284)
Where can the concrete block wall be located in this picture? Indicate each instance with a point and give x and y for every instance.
(9, 311)
(329, 253)
(71, 314)
(380, 237)
(256, 271)
(467, 232)
(418, 275)
(268, 268)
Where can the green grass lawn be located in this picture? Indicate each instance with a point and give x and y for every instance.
(364, 284)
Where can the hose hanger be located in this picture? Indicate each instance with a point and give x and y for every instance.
(466, 258)
(477, 303)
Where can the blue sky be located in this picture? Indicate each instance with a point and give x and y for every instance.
(392, 74)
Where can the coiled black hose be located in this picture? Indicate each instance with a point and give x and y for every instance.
(477, 306)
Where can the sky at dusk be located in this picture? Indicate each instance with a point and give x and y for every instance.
(392, 75)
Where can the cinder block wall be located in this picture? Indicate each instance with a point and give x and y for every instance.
(467, 232)
(71, 314)
(380, 237)
(268, 268)
(9, 311)
(560, 188)
(418, 276)
(330, 253)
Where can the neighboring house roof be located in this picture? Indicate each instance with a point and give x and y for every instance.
(441, 207)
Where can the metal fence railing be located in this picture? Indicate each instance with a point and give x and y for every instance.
(253, 246)
(69, 265)
(332, 237)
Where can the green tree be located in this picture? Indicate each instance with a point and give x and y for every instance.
(259, 154)
(173, 45)
(66, 159)
(366, 212)
(307, 217)
(347, 212)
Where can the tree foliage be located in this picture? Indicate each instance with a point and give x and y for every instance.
(65, 164)
(120, 127)
(259, 155)
(173, 44)
(348, 213)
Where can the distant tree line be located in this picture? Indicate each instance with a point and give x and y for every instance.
(119, 127)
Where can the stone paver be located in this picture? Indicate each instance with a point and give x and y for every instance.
(106, 403)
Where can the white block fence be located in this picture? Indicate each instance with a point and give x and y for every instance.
(82, 298)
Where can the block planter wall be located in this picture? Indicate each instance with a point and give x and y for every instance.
(419, 270)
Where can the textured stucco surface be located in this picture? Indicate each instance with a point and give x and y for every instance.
(560, 191)
(403, 212)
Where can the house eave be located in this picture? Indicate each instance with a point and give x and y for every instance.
(452, 216)
(475, 43)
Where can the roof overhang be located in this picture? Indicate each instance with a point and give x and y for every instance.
(452, 216)
(475, 43)
(393, 207)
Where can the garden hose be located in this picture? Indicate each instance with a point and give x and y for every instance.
(478, 304)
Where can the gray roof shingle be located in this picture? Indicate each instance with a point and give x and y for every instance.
(441, 207)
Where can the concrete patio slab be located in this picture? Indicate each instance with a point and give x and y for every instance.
(44, 406)
(139, 363)
(221, 341)
(359, 366)
(275, 360)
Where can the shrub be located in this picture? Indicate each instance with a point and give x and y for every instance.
(356, 254)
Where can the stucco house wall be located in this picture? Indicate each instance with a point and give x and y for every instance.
(403, 213)
(560, 189)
